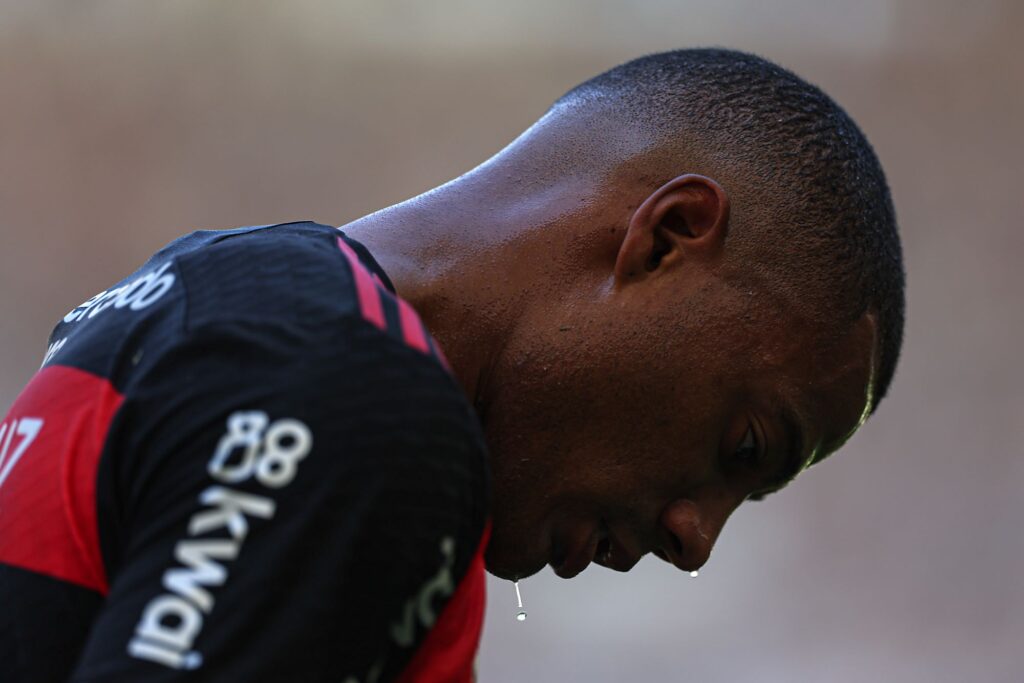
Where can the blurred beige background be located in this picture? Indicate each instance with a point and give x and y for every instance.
(124, 124)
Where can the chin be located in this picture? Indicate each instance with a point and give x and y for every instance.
(510, 566)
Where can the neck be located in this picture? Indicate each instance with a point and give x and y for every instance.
(474, 253)
(442, 254)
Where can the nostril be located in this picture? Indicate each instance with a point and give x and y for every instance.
(682, 535)
(677, 545)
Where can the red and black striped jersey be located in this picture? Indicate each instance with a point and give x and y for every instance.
(246, 461)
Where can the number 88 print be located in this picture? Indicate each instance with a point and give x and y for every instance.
(270, 451)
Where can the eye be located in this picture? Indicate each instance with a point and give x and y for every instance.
(748, 452)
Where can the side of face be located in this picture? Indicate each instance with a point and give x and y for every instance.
(638, 407)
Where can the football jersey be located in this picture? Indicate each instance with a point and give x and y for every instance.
(247, 461)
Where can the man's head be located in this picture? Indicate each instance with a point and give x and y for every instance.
(672, 293)
(720, 306)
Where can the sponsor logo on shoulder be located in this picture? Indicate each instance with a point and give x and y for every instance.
(52, 350)
(253, 447)
(138, 294)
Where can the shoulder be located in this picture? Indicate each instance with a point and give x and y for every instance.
(287, 271)
(383, 421)
(304, 328)
(354, 377)
(292, 273)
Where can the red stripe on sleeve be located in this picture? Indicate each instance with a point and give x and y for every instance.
(371, 292)
(49, 455)
(412, 328)
(369, 296)
(447, 653)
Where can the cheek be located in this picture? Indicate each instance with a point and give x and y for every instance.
(608, 412)
(663, 426)
(624, 427)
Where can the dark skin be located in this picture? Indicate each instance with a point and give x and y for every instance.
(634, 384)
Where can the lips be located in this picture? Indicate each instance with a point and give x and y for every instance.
(613, 553)
(575, 550)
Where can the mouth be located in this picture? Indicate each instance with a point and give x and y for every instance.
(597, 543)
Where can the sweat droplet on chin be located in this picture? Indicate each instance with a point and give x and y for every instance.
(521, 614)
(694, 574)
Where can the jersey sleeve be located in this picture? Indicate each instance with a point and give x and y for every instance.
(281, 510)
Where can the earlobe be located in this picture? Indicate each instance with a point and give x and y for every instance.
(686, 219)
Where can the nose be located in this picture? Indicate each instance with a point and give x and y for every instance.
(686, 536)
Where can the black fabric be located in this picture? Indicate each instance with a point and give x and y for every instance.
(42, 625)
(301, 571)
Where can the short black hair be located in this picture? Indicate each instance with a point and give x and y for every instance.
(834, 224)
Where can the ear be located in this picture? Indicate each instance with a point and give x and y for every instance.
(684, 220)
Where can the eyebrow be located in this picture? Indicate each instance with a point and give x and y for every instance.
(796, 461)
